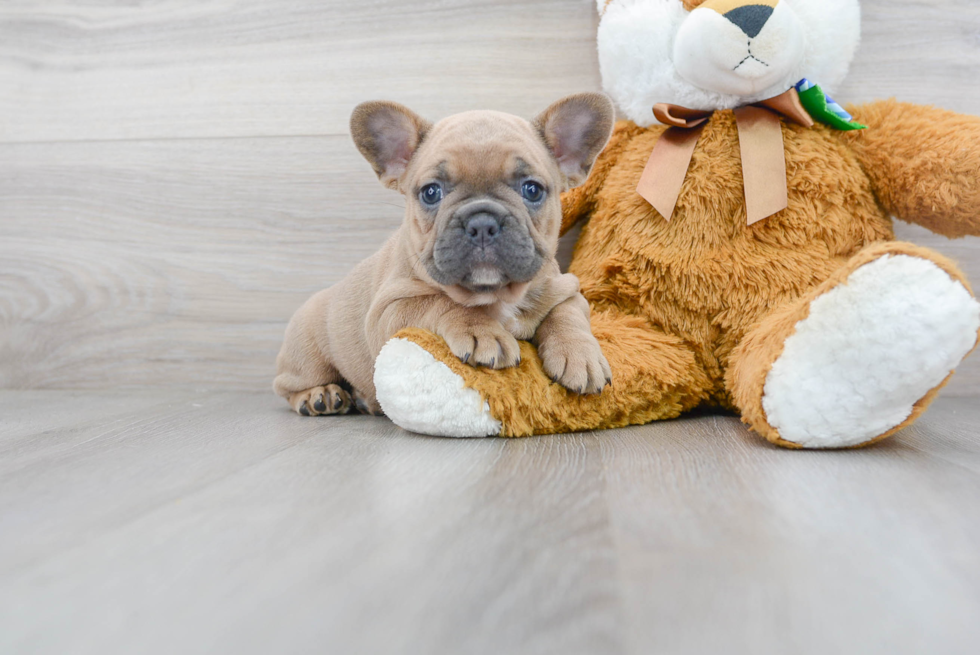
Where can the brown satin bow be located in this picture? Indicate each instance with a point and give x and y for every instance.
(760, 138)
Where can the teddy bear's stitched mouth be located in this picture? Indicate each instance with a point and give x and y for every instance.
(751, 56)
(748, 57)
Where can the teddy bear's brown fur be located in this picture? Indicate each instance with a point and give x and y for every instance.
(695, 310)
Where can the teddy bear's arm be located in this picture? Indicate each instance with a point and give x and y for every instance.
(577, 203)
(924, 164)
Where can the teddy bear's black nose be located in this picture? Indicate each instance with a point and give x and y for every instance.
(750, 18)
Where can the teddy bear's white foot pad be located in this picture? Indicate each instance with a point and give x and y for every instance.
(421, 394)
(868, 351)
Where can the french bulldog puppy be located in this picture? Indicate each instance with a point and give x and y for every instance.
(473, 261)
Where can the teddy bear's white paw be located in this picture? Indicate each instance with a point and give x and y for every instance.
(868, 351)
(421, 394)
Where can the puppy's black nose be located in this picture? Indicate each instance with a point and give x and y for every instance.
(482, 229)
(750, 18)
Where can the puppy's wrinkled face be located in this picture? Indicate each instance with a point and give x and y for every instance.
(483, 201)
(483, 188)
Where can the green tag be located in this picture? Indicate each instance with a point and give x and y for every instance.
(823, 108)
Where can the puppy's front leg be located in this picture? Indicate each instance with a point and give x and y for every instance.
(539, 302)
(569, 353)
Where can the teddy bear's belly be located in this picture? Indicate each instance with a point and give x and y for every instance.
(706, 275)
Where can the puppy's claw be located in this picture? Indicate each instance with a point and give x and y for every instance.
(576, 364)
(319, 405)
(482, 343)
(304, 410)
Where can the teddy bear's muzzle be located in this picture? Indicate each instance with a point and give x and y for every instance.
(739, 47)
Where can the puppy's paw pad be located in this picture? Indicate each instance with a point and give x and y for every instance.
(321, 401)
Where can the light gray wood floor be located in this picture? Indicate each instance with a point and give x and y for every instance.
(221, 523)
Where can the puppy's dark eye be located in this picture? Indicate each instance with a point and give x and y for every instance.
(532, 191)
(431, 194)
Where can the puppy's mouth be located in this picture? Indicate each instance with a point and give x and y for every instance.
(486, 287)
(484, 284)
(484, 279)
(484, 272)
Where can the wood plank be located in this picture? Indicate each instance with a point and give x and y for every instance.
(957, 442)
(36, 426)
(729, 545)
(923, 51)
(190, 69)
(166, 263)
(255, 531)
(223, 523)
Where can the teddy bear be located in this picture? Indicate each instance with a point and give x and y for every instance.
(737, 248)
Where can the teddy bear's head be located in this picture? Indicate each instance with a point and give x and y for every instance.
(720, 54)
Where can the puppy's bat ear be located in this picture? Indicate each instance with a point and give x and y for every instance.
(387, 134)
(576, 129)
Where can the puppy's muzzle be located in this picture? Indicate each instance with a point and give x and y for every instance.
(484, 245)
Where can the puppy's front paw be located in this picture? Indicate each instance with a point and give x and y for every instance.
(321, 401)
(483, 344)
(576, 363)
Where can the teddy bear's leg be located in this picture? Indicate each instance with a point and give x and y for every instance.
(423, 388)
(859, 357)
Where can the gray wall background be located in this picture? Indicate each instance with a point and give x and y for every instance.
(176, 176)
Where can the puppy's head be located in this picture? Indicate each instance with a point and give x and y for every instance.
(482, 188)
